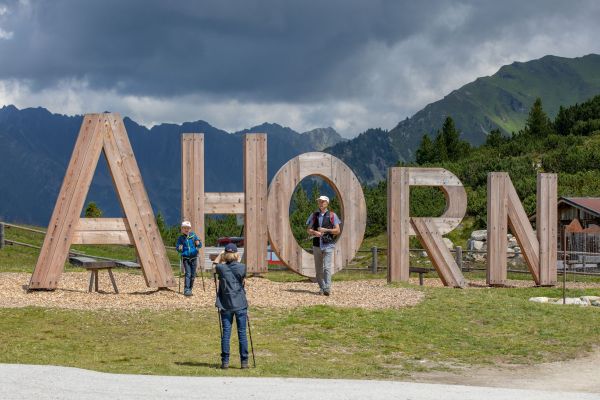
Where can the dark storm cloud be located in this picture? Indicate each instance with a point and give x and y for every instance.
(383, 58)
(272, 49)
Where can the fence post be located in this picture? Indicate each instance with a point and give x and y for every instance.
(374, 259)
(459, 257)
(1, 235)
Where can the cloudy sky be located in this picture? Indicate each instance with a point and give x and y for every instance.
(348, 64)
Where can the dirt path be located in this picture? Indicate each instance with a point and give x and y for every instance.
(581, 375)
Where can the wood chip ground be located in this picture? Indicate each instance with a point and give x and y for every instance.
(72, 293)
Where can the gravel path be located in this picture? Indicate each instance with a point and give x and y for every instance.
(72, 293)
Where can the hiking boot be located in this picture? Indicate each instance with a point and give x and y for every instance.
(224, 364)
(326, 292)
(187, 294)
(244, 364)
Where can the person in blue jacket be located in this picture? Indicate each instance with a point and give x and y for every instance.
(231, 302)
(187, 245)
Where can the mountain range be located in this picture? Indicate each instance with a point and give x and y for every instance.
(35, 145)
(499, 101)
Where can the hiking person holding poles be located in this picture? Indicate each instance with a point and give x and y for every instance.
(231, 301)
(187, 247)
(323, 225)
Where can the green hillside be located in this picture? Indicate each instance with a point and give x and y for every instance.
(500, 101)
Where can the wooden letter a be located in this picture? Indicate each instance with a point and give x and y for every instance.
(102, 132)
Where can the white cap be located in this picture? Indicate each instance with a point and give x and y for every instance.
(186, 223)
(324, 198)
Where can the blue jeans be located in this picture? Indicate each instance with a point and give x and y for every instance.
(189, 265)
(227, 322)
(323, 267)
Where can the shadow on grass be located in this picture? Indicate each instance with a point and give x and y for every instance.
(197, 364)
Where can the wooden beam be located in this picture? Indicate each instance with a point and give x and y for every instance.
(255, 202)
(136, 205)
(224, 203)
(496, 229)
(192, 185)
(547, 229)
(440, 256)
(69, 203)
(103, 231)
(398, 224)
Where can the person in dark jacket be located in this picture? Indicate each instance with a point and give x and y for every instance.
(187, 245)
(231, 301)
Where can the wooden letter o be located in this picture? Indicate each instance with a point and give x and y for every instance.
(354, 210)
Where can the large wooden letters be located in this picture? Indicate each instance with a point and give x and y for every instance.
(252, 202)
(504, 208)
(102, 132)
(354, 210)
(428, 230)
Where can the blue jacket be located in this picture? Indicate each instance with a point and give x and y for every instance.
(231, 295)
(189, 248)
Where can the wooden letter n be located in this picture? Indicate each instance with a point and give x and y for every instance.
(504, 208)
(102, 132)
(429, 230)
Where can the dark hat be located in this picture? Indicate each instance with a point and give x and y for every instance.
(231, 248)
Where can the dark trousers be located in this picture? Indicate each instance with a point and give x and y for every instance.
(189, 266)
(227, 321)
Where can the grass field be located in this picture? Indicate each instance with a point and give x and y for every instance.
(449, 328)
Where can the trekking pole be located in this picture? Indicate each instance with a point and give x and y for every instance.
(218, 312)
(201, 274)
(250, 334)
(180, 268)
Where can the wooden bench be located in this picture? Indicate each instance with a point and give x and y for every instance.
(419, 270)
(93, 265)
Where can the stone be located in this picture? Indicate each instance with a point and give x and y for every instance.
(590, 299)
(539, 299)
(517, 249)
(510, 253)
(596, 303)
(475, 244)
(512, 243)
(575, 301)
(479, 235)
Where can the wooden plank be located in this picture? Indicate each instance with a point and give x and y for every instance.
(496, 228)
(224, 203)
(255, 202)
(398, 225)
(343, 181)
(523, 231)
(440, 256)
(547, 231)
(97, 237)
(103, 224)
(68, 206)
(102, 231)
(134, 200)
(192, 184)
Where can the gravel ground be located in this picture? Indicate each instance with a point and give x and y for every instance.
(72, 293)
